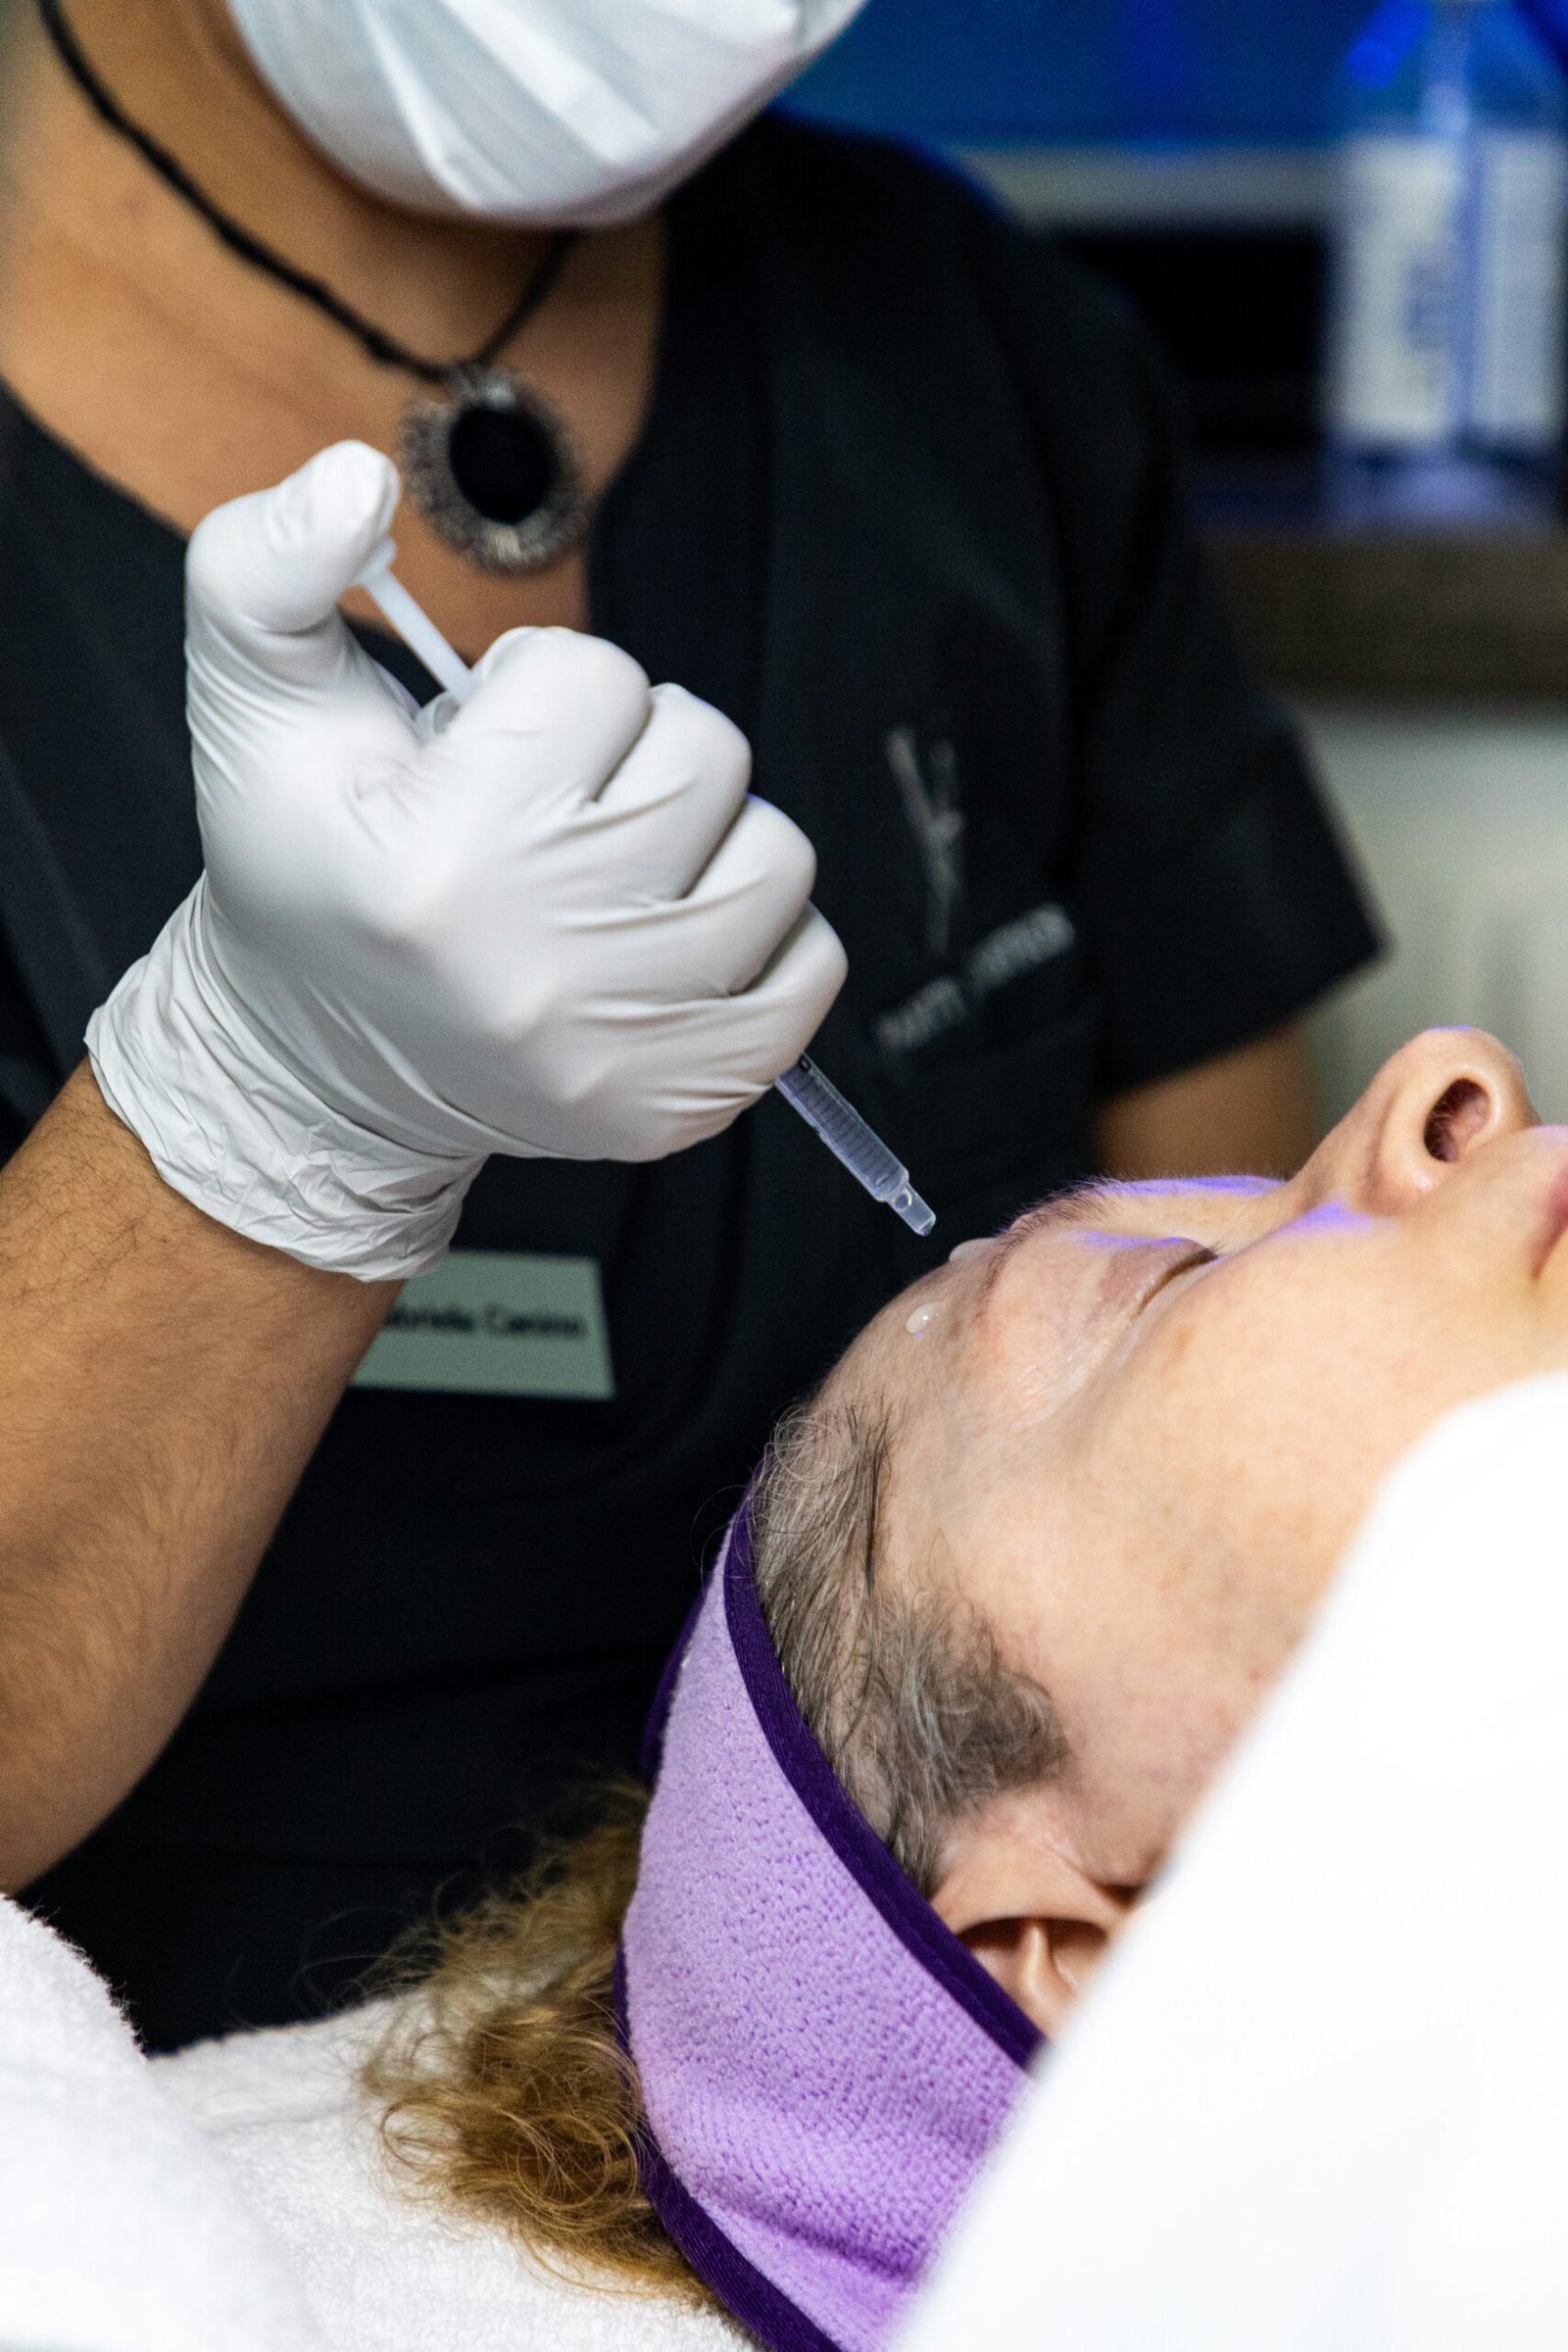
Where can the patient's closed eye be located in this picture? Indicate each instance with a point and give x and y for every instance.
(1200, 1255)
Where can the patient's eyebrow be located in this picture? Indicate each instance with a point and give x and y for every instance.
(1103, 1202)
(1071, 1211)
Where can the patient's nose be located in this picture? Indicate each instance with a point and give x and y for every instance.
(1432, 1106)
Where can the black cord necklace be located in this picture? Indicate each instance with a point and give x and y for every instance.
(490, 462)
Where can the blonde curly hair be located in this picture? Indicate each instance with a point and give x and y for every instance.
(502, 2079)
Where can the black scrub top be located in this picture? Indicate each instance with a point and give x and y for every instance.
(907, 507)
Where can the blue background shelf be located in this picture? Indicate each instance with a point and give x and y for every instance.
(1023, 72)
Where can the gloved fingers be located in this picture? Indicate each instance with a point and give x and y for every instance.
(552, 716)
(795, 992)
(674, 796)
(737, 1046)
(748, 899)
(717, 1053)
(263, 575)
(411, 711)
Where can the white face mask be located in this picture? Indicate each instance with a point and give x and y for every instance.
(568, 113)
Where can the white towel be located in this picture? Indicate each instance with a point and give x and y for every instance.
(236, 2199)
(386, 2272)
(119, 2228)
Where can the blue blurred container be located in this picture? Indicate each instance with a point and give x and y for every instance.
(1445, 380)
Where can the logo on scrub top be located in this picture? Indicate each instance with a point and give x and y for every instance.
(927, 780)
(946, 1003)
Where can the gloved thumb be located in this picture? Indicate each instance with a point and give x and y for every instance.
(263, 575)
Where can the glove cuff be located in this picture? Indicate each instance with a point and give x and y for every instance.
(237, 1133)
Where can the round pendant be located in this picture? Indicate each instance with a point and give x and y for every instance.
(492, 468)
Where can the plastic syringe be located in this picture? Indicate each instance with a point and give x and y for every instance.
(804, 1088)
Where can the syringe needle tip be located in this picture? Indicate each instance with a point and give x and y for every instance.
(850, 1139)
(916, 1213)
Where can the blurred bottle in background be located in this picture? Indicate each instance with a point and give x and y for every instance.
(1448, 375)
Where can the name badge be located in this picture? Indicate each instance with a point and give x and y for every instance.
(489, 1324)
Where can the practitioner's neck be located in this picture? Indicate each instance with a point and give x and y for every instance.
(187, 376)
(179, 69)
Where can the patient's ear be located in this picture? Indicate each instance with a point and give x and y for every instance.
(1029, 1913)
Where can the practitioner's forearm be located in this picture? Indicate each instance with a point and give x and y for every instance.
(1251, 1112)
(163, 1383)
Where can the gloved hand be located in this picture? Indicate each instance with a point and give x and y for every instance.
(548, 922)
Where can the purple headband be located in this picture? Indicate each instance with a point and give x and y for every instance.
(824, 2067)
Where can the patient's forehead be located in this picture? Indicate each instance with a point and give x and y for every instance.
(901, 1356)
(921, 1368)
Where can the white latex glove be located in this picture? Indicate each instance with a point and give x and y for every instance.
(548, 923)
